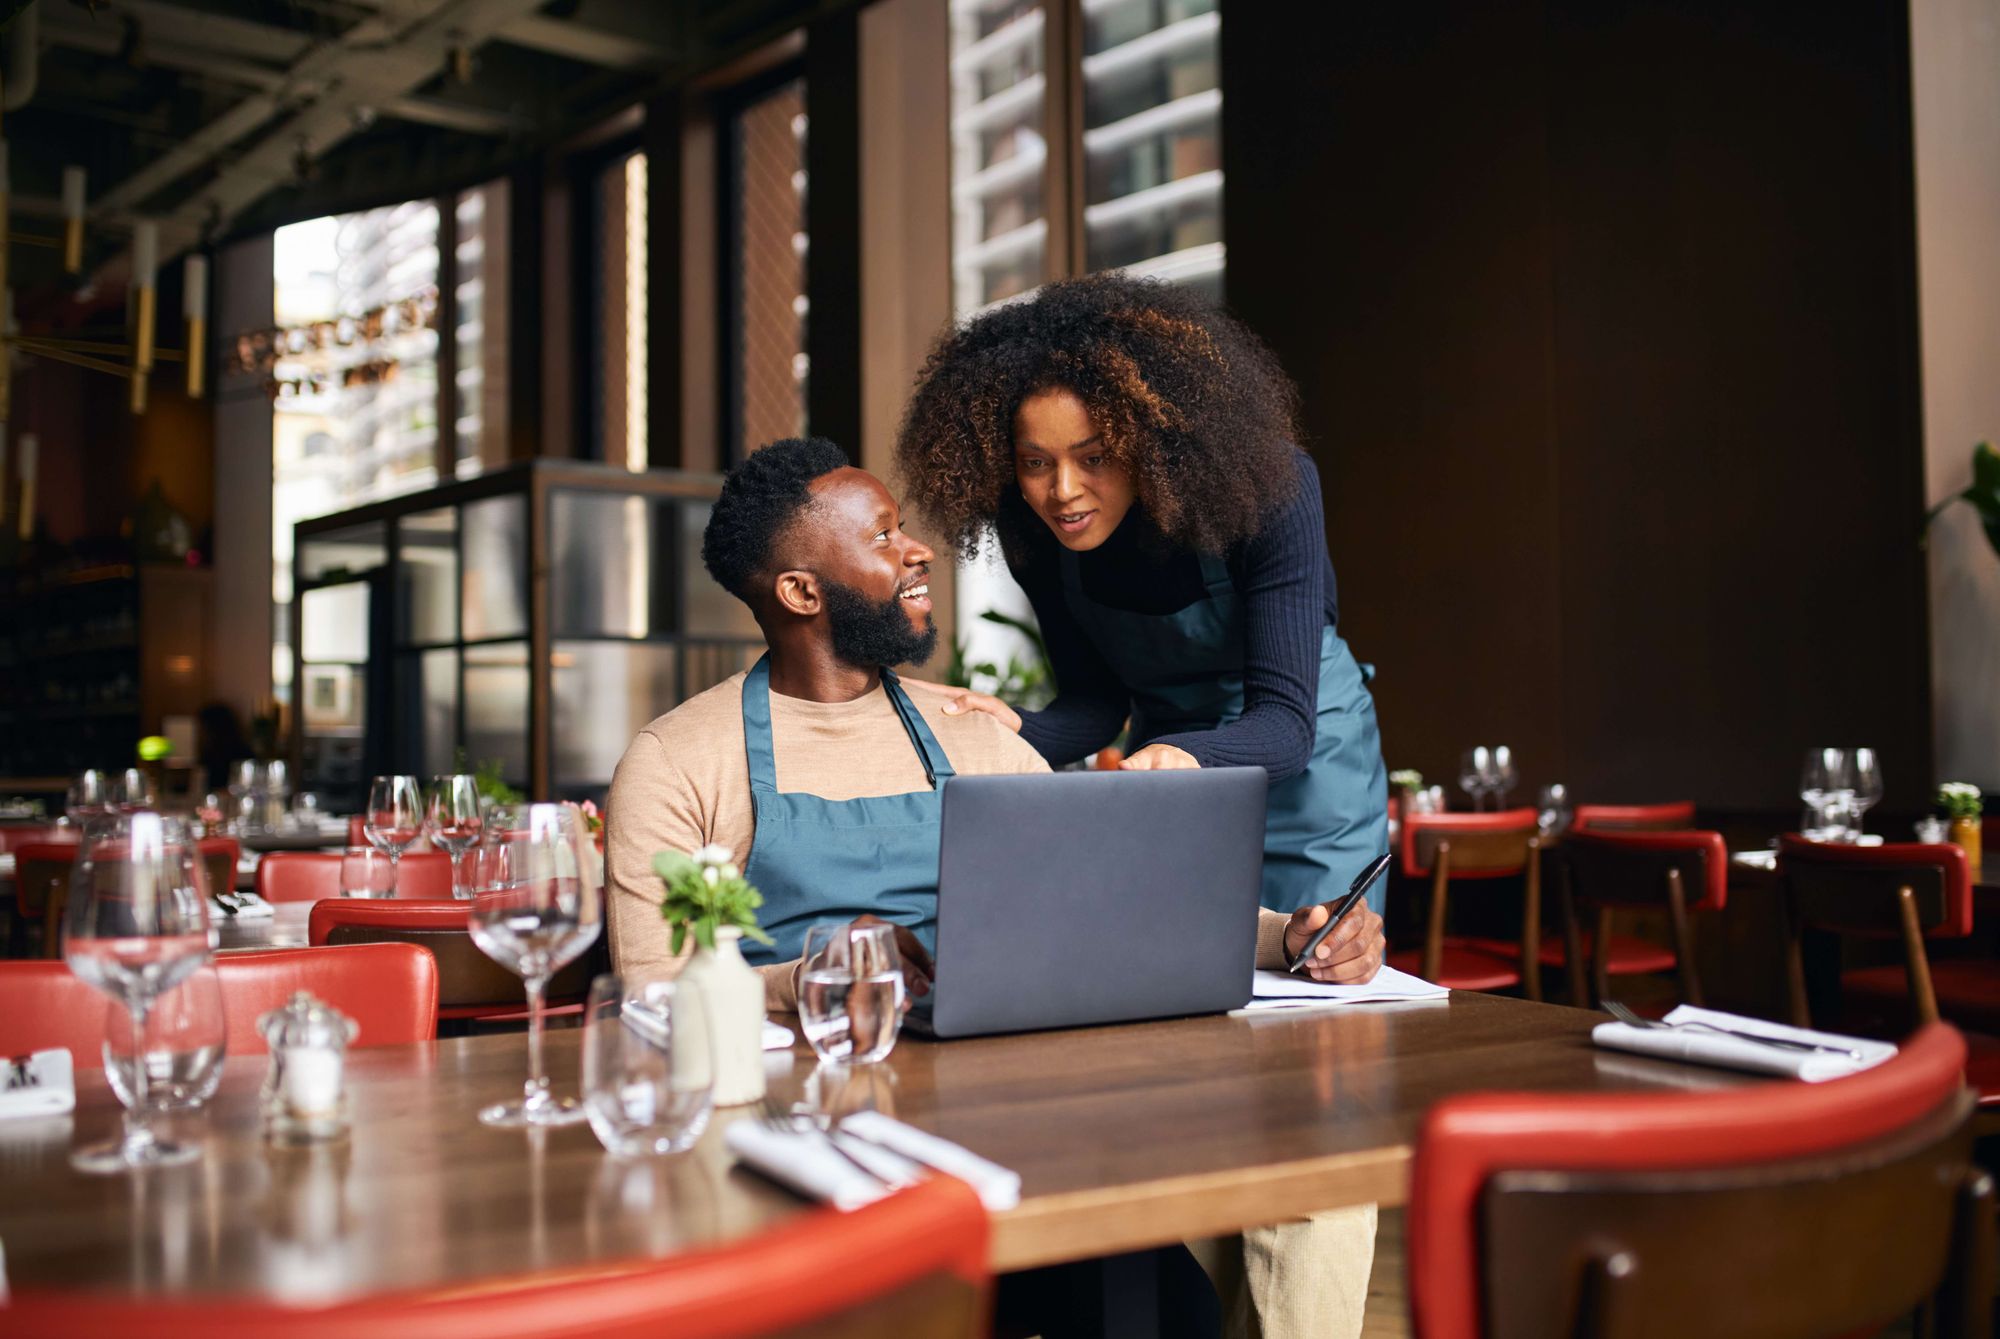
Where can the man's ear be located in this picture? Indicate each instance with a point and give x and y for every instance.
(798, 593)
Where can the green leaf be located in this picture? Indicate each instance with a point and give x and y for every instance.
(674, 865)
(704, 933)
(680, 937)
(1984, 494)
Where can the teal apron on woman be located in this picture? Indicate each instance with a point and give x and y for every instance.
(1185, 673)
(815, 859)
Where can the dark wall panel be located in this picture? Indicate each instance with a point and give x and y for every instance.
(1603, 316)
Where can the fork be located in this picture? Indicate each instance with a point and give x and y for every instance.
(1630, 1019)
(783, 1119)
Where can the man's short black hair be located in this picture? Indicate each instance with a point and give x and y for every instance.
(759, 499)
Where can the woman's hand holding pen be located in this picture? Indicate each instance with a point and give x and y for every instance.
(1351, 955)
(958, 701)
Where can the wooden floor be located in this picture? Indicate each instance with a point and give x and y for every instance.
(1388, 1306)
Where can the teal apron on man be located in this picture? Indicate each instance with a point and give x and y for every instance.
(815, 859)
(1185, 673)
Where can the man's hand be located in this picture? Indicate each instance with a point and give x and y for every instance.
(958, 701)
(917, 968)
(1159, 758)
(1350, 956)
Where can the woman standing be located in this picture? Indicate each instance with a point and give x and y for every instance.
(1133, 449)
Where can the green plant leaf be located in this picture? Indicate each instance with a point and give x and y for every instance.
(704, 933)
(674, 865)
(679, 940)
(1984, 494)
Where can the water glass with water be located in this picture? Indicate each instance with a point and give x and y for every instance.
(642, 1094)
(182, 1048)
(851, 991)
(365, 872)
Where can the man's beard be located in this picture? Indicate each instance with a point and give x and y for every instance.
(876, 634)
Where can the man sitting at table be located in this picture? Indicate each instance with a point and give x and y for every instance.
(811, 771)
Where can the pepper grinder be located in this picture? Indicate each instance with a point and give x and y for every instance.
(304, 1099)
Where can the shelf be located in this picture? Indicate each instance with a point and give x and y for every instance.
(98, 711)
(122, 641)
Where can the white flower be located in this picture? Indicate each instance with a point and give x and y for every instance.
(1959, 790)
(713, 854)
(710, 875)
(730, 872)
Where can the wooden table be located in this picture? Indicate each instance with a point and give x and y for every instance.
(285, 928)
(1125, 1137)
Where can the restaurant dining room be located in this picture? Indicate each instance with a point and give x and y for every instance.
(999, 668)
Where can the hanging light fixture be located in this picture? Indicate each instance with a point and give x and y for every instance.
(145, 261)
(194, 307)
(72, 208)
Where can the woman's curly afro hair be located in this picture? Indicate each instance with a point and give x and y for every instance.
(1186, 398)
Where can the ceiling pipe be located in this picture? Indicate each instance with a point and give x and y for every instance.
(23, 58)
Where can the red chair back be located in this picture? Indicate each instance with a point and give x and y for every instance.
(41, 870)
(1754, 1210)
(470, 984)
(913, 1263)
(1483, 846)
(1629, 868)
(390, 990)
(308, 876)
(14, 837)
(1633, 817)
(1855, 889)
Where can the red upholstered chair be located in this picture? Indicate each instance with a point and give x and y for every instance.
(911, 1264)
(390, 990)
(1633, 817)
(14, 836)
(1775, 1209)
(1609, 870)
(1470, 847)
(308, 876)
(1912, 893)
(470, 984)
(41, 891)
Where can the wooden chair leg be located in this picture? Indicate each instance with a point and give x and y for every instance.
(1600, 954)
(1964, 1301)
(1531, 924)
(1572, 937)
(1434, 932)
(1683, 939)
(1914, 960)
(52, 919)
(1795, 964)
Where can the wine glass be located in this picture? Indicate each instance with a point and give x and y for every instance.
(365, 872)
(181, 1052)
(1501, 776)
(1474, 767)
(395, 817)
(134, 790)
(137, 926)
(538, 905)
(89, 797)
(1821, 782)
(851, 991)
(451, 819)
(1865, 778)
(1554, 809)
(643, 1092)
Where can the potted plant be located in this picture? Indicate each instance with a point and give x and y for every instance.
(708, 898)
(1962, 805)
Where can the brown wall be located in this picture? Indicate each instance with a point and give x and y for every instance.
(1603, 313)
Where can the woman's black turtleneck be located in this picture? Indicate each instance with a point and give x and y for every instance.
(1282, 575)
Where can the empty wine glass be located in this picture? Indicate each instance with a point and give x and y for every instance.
(451, 819)
(134, 790)
(1865, 779)
(642, 1090)
(851, 991)
(395, 817)
(1554, 809)
(181, 1052)
(1501, 776)
(1821, 783)
(89, 797)
(136, 927)
(537, 906)
(1475, 767)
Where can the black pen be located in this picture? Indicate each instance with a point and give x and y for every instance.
(1355, 893)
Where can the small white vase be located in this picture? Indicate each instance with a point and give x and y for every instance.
(728, 995)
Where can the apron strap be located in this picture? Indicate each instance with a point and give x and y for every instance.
(936, 766)
(757, 727)
(1215, 575)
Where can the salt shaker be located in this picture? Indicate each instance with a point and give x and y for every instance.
(304, 1099)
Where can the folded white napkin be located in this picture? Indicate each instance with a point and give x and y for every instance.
(42, 1084)
(806, 1161)
(649, 1023)
(1703, 1047)
(777, 1037)
(248, 907)
(1284, 990)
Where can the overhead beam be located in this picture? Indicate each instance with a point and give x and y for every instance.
(592, 46)
(452, 115)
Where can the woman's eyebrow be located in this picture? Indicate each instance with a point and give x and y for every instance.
(1091, 440)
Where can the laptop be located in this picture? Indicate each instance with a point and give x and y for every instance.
(1073, 898)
